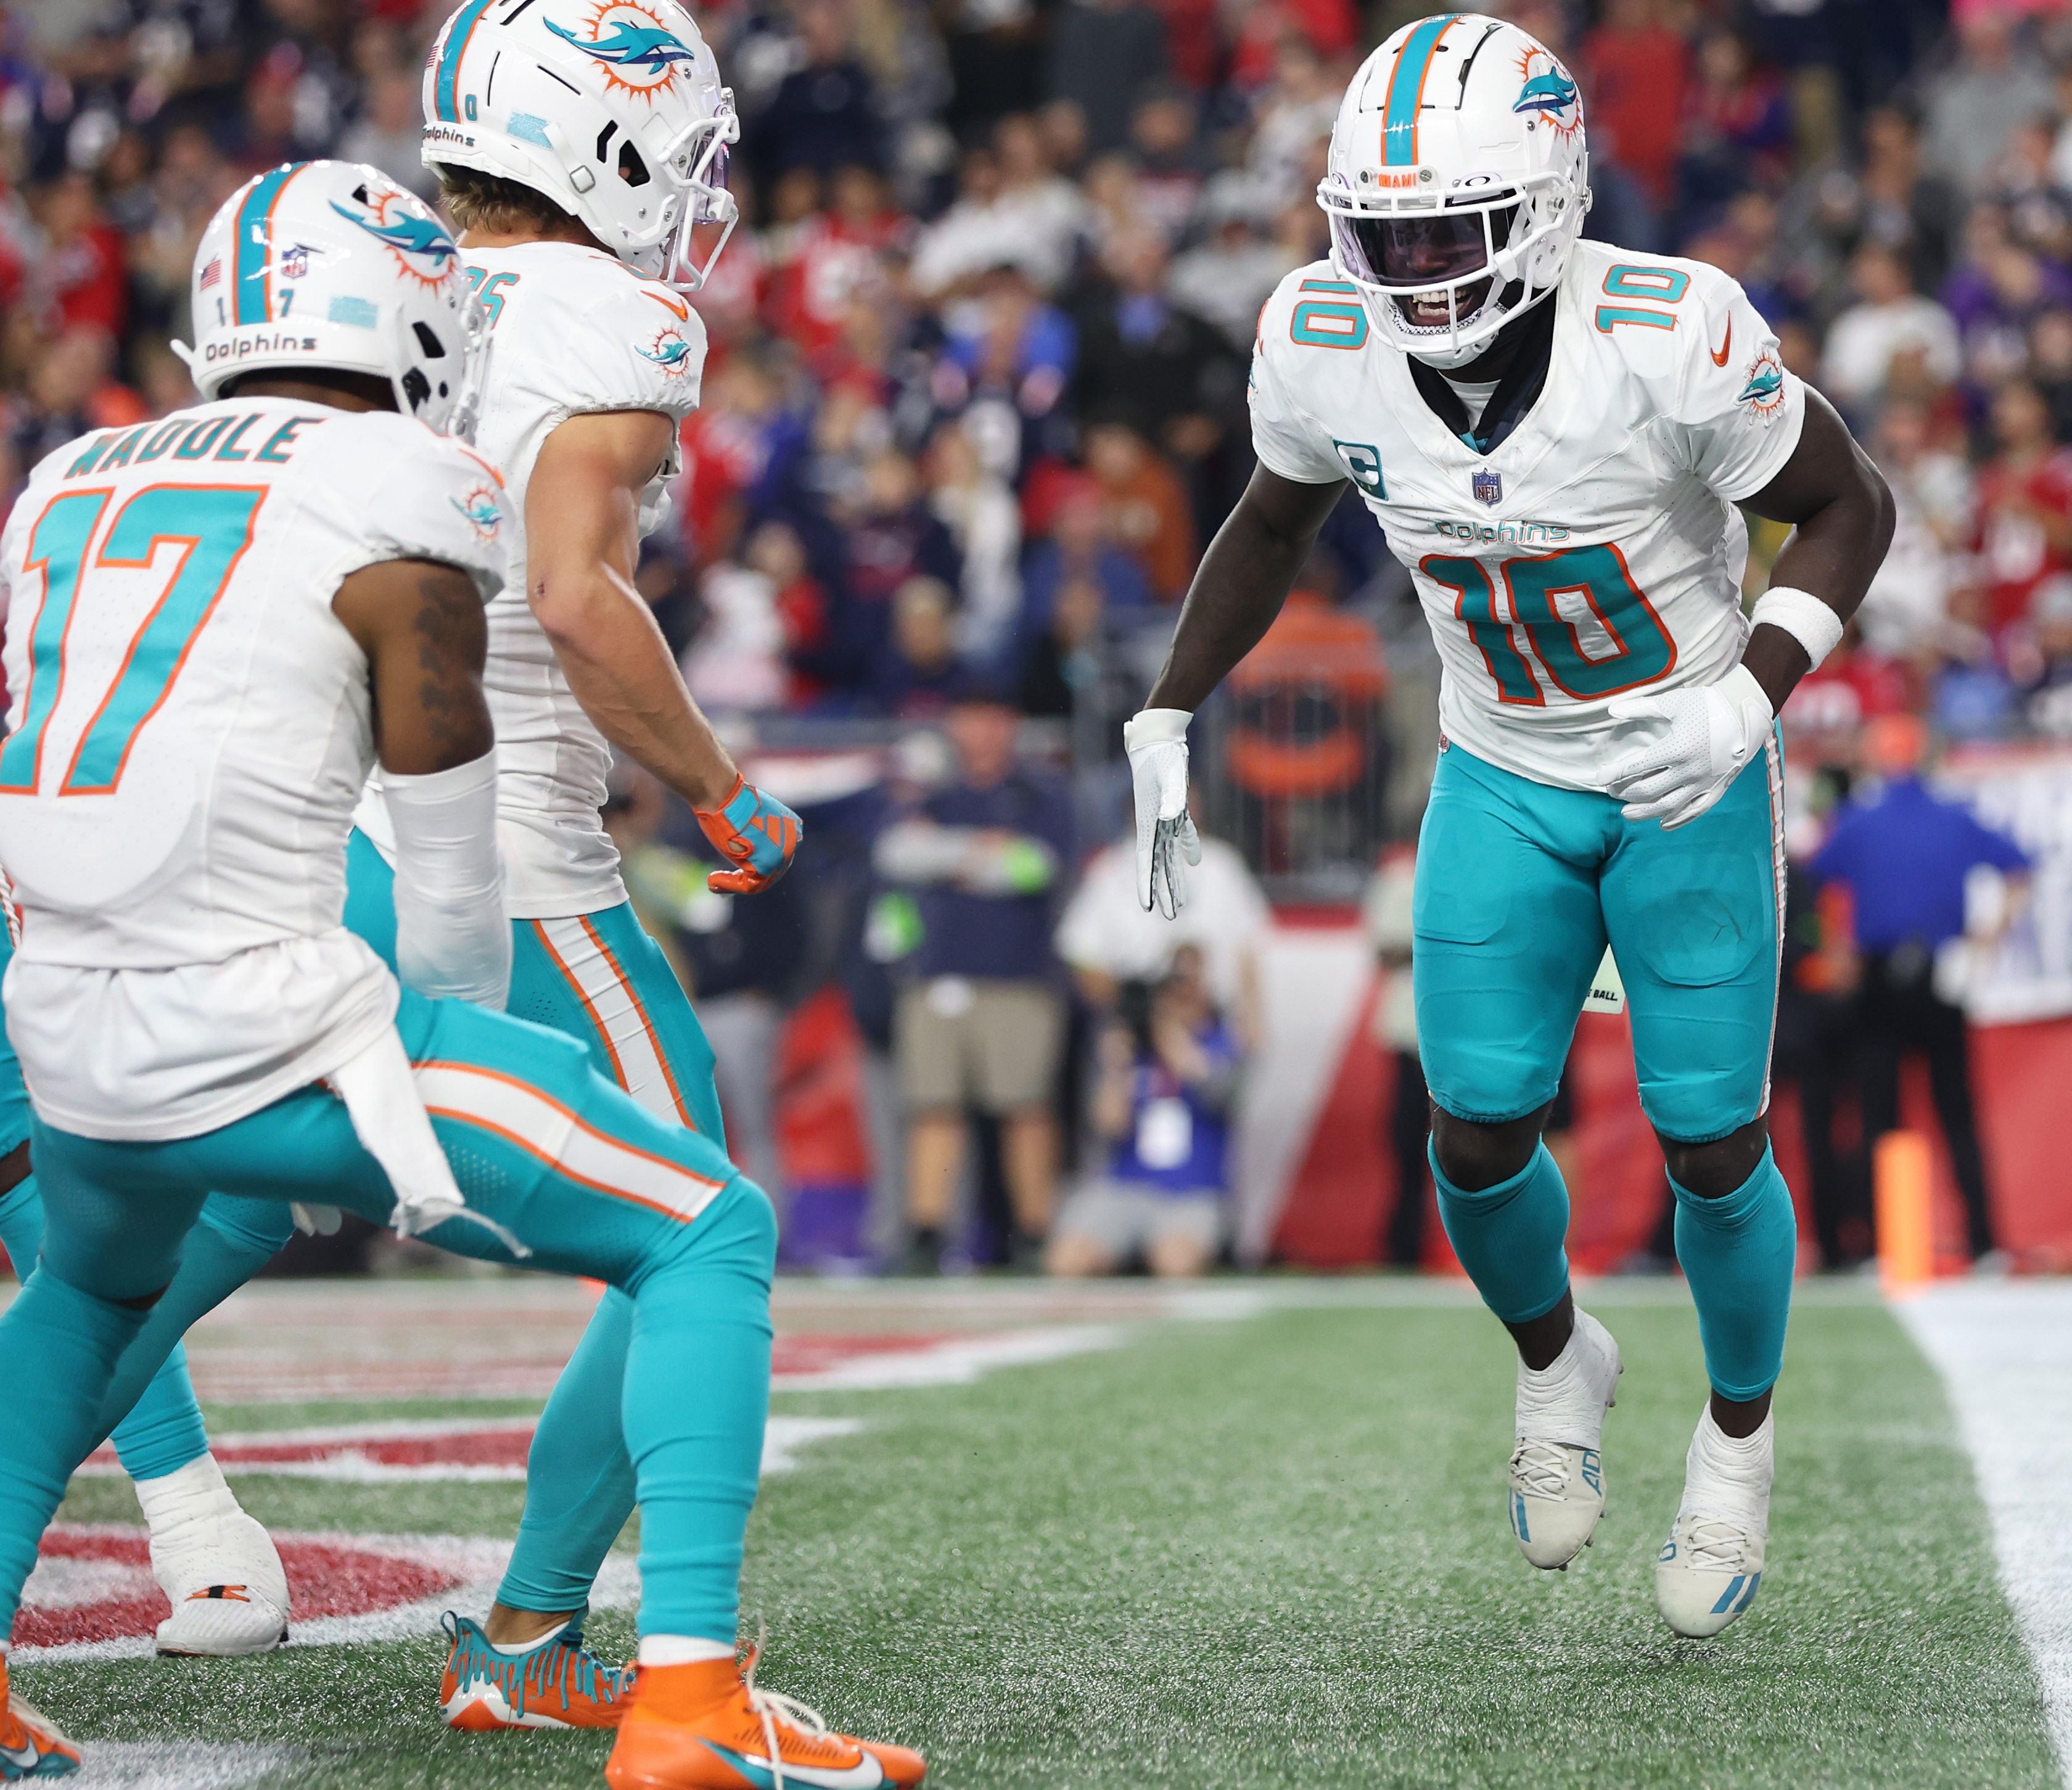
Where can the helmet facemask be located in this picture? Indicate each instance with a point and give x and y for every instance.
(1441, 281)
(695, 164)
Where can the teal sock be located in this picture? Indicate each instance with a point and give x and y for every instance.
(696, 1436)
(60, 1346)
(1510, 1237)
(164, 1431)
(579, 1485)
(1739, 1253)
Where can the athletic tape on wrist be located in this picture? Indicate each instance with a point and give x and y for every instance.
(1804, 616)
(1156, 727)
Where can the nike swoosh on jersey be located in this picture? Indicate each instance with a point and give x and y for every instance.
(1726, 348)
(682, 312)
(866, 1774)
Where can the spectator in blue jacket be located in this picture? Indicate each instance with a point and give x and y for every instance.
(1904, 854)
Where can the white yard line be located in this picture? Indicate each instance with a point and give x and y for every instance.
(178, 1764)
(2005, 1353)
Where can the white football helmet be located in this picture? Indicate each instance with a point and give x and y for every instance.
(612, 108)
(1458, 182)
(331, 263)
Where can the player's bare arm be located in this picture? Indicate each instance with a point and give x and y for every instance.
(1841, 512)
(583, 542)
(1238, 589)
(421, 625)
(1243, 580)
(421, 628)
(582, 512)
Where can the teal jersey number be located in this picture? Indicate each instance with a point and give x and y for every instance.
(491, 293)
(1475, 604)
(57, 547)
(213, 525)
(1645, 652)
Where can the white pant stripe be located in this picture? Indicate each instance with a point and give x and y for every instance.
(636, 1057)
(549, 1130)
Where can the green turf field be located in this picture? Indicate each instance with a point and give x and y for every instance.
(1263, 1551)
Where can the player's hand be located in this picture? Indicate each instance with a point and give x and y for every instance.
(1156, 740)
(1703, 736)
(755, 833)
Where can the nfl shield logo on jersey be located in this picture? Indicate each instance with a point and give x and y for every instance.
(1489, 487)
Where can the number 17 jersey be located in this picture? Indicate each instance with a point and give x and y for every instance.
(1596, 551)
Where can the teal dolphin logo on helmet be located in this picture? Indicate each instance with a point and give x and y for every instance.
(408, 236)
(1552, 91)
(645, 46)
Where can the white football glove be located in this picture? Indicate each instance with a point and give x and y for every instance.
(1703, 736)
(1156, 740)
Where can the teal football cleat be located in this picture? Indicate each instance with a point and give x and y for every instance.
(556, 1683)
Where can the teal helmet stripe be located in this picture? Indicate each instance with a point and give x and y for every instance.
(444, 98)
(251, 290)
(1406, 88)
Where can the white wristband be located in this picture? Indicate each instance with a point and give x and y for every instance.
(1156, 727)
(451, 937)
(1804, 616)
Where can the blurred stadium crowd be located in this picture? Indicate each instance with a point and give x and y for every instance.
(976, 395)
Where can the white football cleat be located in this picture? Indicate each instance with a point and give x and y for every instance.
(217, 1566)
(1557, 1476)
(1708, 1570)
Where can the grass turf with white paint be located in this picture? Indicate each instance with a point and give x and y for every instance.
(1262, 1553)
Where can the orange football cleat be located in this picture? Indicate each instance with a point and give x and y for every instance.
(707, 1727)
(557, 1684)
(30, 1746)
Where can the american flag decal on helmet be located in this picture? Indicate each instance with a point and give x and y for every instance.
(212, 275)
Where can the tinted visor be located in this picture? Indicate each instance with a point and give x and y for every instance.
(1415, 253)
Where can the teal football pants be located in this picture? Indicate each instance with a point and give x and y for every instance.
(162, 1431)
(1520, 887)
(558, 1157)
(599, 979)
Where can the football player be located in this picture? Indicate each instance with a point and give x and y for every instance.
(222, 622)
(583, 152)
(1554, 435)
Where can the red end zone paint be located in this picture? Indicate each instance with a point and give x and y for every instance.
(96, 1585)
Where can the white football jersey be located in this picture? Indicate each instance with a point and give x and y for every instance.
(573, 331)
(1596, 551)
(189, 731)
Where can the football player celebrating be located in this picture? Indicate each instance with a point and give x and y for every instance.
(583, 153)
(1555, 434)
(223, 621)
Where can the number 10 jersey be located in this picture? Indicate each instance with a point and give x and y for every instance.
(1596, 551)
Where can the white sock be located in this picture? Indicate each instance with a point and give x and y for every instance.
(514, 1649)
(657, 1650)
(198, 1489)
(1730, 1474)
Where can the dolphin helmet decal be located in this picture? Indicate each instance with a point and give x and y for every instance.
(611, 108)
(332, 265)
(1458, 181)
